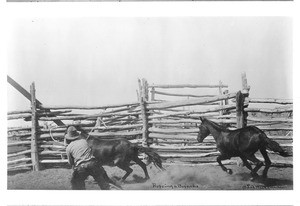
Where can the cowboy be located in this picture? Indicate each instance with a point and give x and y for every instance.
(83, 162)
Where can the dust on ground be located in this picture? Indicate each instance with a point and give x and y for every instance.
(207, 177)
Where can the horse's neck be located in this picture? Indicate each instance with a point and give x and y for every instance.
(215, 130)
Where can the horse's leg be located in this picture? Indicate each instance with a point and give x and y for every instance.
(246, 163)
(257, 162)
(142, 165)
(267, 161)
(126, 168)
(219, 159)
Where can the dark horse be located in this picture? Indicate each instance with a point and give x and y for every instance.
(120, 152)
(243, 143)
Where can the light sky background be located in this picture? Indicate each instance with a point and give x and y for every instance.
(97, 61)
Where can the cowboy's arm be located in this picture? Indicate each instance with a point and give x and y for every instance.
(70, 158)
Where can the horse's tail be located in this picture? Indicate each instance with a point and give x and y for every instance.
(153, 156)
(275, 147)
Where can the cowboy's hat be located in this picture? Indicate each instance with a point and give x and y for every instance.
(72, 133)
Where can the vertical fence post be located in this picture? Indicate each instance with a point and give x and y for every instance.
(220, 93)
(245, 86)
(34, 135)
(239, 110)
(245, 92)
(152, 93)
(225, 92)
(145, 90)
(143, 113)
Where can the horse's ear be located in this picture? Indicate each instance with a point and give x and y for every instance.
(201, 119)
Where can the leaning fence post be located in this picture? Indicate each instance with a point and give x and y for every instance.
(34, 135)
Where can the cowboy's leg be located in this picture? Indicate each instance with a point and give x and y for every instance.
(78, 177)
(99, 174)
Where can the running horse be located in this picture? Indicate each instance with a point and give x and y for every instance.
(120, 152)
(243, 143)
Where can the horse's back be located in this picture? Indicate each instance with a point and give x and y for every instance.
(240, 140)
(107, 150)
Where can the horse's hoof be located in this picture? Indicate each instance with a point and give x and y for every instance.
(147, 178)
(229, 171)
(254, 176)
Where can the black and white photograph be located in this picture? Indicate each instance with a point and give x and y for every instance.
(150, 103)
(141, 1)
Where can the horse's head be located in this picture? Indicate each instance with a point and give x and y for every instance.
(203, 131)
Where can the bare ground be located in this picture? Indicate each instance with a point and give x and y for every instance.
(173, 178)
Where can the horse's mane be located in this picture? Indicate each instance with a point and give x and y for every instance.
(216, 125)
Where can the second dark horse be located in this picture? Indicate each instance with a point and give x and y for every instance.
(120, 152)
(243, 143)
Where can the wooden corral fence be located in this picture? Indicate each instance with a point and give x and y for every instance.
(169, 126)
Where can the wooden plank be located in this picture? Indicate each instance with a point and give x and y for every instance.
(19, 153)
(201, 111)
(18, 143)
(88, 116)
(173, 131)
(225, 162)
(210, 154)
(182, 95)
(90, 107)
(172, 137)
(116, 134)
(19, 112)
(19, 116)
(265, 128)
(21, 135)
(54, 161)
(103, 128)
(53, 147)
(179, 148)
(27, 95)
(282, 120)
(173, 121)
(57, 153)
(169, 86)
(166, 105)
(18, 129)
(270, 100)
(18, 167)
(18, 161)
(267, 110)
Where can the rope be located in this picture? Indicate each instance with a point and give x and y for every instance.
(52, 135)
(96, 127)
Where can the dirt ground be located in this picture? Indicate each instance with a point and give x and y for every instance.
(207, 177)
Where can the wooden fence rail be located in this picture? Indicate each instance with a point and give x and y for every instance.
(170, 127)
